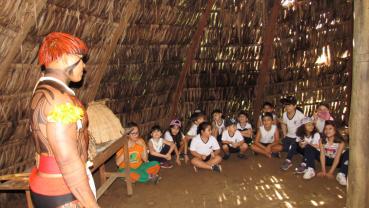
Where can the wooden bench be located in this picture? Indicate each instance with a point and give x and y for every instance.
(19, 182)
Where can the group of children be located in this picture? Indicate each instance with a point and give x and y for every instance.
(208, 143)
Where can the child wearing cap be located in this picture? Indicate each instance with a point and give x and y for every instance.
(290, 122)
(232, 140)
(217, 124)
(307, 137)
(321, 115)
(196, 118)
(205, 149)
(267, 137)
(160, 150)
(175, 135)
(267, 107)
(244, 127)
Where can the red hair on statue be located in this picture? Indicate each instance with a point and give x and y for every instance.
(56, 44)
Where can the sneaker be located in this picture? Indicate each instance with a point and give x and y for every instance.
(155, 179)
(301, 169)
(276, 154)
(242, 156)
(217, 168)
(166, 165)
(309, 173)
(286, 164)
(195, 169)
(341, 178)
(226, 156)
(181, 156)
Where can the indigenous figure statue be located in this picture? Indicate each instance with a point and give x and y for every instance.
(59, 123)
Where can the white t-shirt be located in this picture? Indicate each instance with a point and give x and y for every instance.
(293, 124)
(313, 140)
(197, 145)
(157, 144)
(193, 130)
(267, 137)
(237, 137)
(331, 150)
(247, 126)
(168, 136)
(220, 127)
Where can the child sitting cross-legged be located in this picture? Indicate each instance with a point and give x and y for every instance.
(141, 169)
(161, 149)
(232, 140)
(205, 149)
(196, 118)
(267, 137)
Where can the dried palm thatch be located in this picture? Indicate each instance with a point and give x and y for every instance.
(138, 56)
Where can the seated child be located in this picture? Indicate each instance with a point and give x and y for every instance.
(321, 115)
(331, 153)
(268, 107)
(217, 124)
(141, 169)
(175, 135)
(160, 150)
(232, 140)
(290, 123)
(267, 137)
(205, 149)
(244, 127)
(307, 137)
(196, 119)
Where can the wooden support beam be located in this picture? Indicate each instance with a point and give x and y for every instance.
(190, 54)
(264, 72)
(358, 183)
(30, 16)
(120, 32)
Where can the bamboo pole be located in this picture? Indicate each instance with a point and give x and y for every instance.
(120, 32)
(25, 28)
(264, 72)
(191, 51)
(358, 186)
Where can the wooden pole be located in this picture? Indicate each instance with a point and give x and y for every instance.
(264, 72)
(191, 51)
(119, 32)
(30, 19)
(358, 184)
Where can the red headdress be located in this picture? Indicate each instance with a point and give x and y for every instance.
(56, 44)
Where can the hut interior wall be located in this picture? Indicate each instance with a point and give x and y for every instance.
(144, 68)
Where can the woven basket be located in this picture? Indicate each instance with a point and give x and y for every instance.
(103, 126)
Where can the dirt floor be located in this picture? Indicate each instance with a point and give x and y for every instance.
(255, 182)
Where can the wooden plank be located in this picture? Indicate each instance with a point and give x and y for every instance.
(102, 174)
(358, 183)
(127, 170)
(105, 186)
(265, 69)
(120, 32)
(101, 157)
(191, 51)
(29, 199)
(25, 28)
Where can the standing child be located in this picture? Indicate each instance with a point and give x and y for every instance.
(331, 153)
(196, 119)
(205, 149)
(307, 137)
(160, 150)
(291, 121)
(267, 108)
(217, 124)
(175, 135)
(321, 115)
(244, 127)
(232, 140)
(267, 137)
(141, 169)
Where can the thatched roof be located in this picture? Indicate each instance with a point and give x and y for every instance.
(138, 49)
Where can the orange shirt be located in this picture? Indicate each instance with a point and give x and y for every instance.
(135, 159)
